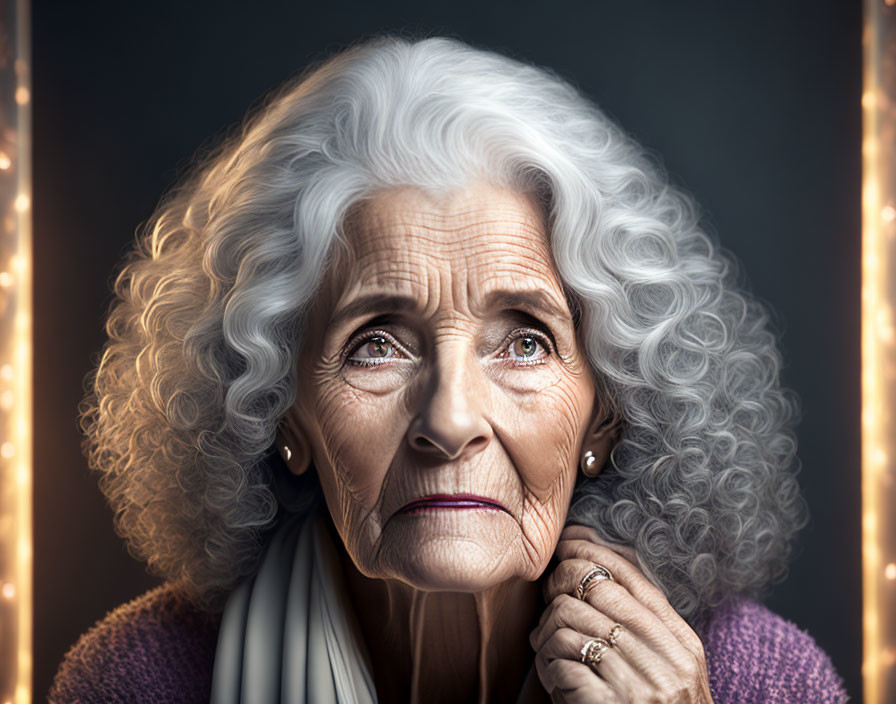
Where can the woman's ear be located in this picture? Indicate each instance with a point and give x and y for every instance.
(601, 437)
(292, 443)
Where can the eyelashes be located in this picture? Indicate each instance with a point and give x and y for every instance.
(381, 339)
(515, 355)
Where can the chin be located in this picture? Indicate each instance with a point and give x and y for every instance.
(450, 552)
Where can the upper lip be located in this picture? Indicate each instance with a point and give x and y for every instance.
(453, 497)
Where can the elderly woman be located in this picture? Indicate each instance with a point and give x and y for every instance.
(427, 386)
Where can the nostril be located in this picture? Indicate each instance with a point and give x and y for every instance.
(423, 444)
(447, 448)
(476, 444)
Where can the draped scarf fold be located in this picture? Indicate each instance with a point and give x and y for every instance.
(290, 634)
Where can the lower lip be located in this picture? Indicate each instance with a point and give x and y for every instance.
(451, 505)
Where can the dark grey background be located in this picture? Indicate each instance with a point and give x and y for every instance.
(754, 107)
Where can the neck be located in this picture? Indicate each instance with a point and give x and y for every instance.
(447, 646)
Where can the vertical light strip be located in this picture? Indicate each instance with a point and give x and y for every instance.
(15, 355)
(20, 432)
(878, 358)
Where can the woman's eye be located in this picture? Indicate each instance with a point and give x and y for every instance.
(522, 347)
(528, 348)
(369, 351)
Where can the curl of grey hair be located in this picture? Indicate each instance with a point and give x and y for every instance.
(210, 307)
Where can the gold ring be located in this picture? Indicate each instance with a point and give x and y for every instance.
(614, 634)
(595, 574)
(592, 652)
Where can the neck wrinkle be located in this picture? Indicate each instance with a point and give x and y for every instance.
(480, 638)
(486, 619)
(416, 624)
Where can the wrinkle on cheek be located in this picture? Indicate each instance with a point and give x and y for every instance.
(340, 450)
(566, 445)
(359, 455)
(547, 489)
(543, 519)
(553, 439)
(539, 532)
(320, 375)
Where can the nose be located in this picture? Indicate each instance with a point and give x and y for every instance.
(451, 422)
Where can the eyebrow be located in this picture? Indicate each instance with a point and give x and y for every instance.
(534, 300)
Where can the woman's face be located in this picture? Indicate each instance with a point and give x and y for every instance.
(442, 362)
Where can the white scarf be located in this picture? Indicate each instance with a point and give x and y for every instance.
(290, 634)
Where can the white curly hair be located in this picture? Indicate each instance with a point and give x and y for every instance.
(210, 310)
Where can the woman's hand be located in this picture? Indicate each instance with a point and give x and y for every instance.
(657, 657)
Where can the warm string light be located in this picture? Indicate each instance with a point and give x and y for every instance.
(878, 350)
(15, 358)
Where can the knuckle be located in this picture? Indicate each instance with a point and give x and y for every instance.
(564, 570)
(577, 565)
(556, 616)
(586, 549)
(550, 610)
(564, 549)
(695, 645)
(692, 670)
(577, 531)
(562, 605)
(659, 697)
(553, 623)
(557, 673)
(558, 643)
(549, 647)
(654, 597)
(608, 594)
(670, 693)
(572, 679)
(689, 669)
(559, 581)
(645, 693)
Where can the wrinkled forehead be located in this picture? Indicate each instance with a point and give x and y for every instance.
(404, 240)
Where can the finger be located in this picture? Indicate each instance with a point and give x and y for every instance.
(630, 577)
(579, 684)
(567, 612)
(613, 669)
(615, 602)
(624, 571)
(575, 531)
(627, 572)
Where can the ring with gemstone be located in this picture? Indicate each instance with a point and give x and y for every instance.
(592, 652)
(614, 634)
(595, 575)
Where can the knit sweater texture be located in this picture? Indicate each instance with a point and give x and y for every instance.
(159, 648)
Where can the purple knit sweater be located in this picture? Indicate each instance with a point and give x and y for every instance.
(158, 648)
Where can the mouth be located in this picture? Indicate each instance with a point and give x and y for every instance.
(451, 502)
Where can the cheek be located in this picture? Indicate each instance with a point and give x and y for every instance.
(548, 465)
(551, 429)
(355, 439)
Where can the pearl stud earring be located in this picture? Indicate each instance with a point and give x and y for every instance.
(588, 460)
(287, 453)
